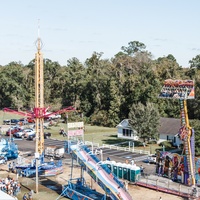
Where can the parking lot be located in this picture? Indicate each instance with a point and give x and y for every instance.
(114, 154)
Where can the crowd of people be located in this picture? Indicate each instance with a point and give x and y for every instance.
(10, 186)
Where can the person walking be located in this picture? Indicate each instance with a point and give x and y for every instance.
(30, 195)
(25, 197)
(10, 167)
(132, 162)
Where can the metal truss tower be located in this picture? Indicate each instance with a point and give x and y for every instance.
(39, 110)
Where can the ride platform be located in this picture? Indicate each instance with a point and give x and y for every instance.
(77, 189)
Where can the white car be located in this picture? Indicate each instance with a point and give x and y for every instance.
(19, 134)
(28, 132)
(152, 159)
(52, 116)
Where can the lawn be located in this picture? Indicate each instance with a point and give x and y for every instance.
(91, 133)
(6, 115)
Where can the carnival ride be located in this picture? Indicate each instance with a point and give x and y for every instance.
(98, 171)
(8, 149)
(182, 90)
(45, 169)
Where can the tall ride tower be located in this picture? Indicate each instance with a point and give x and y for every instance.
(39, 110)
(183, 90)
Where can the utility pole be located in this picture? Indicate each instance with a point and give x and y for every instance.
(39, 110)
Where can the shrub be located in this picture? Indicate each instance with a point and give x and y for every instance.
(167, 144)
(152, 142)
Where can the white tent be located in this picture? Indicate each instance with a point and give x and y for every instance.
(5, 196)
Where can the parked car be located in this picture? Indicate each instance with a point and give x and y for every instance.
(47, 135)
(10, 121)
(23, 121)
(32, 136)
(30, 120)
(13, 130)
(52, 116)
(151, 159)
(6, 121)
(19, 134)
(28, 132)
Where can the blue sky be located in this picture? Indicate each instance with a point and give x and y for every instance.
(77, 28)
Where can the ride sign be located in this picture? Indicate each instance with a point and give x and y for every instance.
(75, 132)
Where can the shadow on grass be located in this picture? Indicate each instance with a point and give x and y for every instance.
(114, 140)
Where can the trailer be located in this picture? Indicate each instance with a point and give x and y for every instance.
(54, 152)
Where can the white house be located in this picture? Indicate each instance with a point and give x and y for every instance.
(168, 130)
(124, 130)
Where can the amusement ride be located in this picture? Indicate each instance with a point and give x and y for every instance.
(183, 90)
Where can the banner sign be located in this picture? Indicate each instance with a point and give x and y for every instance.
(75, 132)
(75, 125)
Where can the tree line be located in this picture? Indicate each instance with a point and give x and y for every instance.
(104, 90)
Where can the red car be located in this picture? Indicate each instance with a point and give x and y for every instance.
(30, 120)
(13, 130)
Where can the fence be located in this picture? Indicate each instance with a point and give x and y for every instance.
(168, 186)
(133, 150)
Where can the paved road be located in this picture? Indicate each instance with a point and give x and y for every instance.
(116, 155)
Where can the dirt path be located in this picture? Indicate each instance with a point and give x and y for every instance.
(138, 193)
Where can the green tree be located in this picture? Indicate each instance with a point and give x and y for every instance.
(98, 74)
(171, 57)
(133, 47)
(114, 109)
(145, 120)
(76, 81)
(195, 62)
(12, 86)
(196, 126)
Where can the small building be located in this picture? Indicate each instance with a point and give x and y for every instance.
(124, 130)
(168, 130)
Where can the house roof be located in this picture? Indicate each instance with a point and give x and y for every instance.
(124, 123)
(169, 126)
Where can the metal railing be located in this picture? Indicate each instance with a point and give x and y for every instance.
(133, 150)
(168, 186)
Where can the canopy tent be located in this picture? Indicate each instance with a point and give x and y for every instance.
(5, 196)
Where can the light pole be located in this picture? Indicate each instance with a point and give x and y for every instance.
(10, 130)
(101, 152)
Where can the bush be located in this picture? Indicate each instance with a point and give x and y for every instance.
(152, 142)
(138, 143)
(166, 144)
